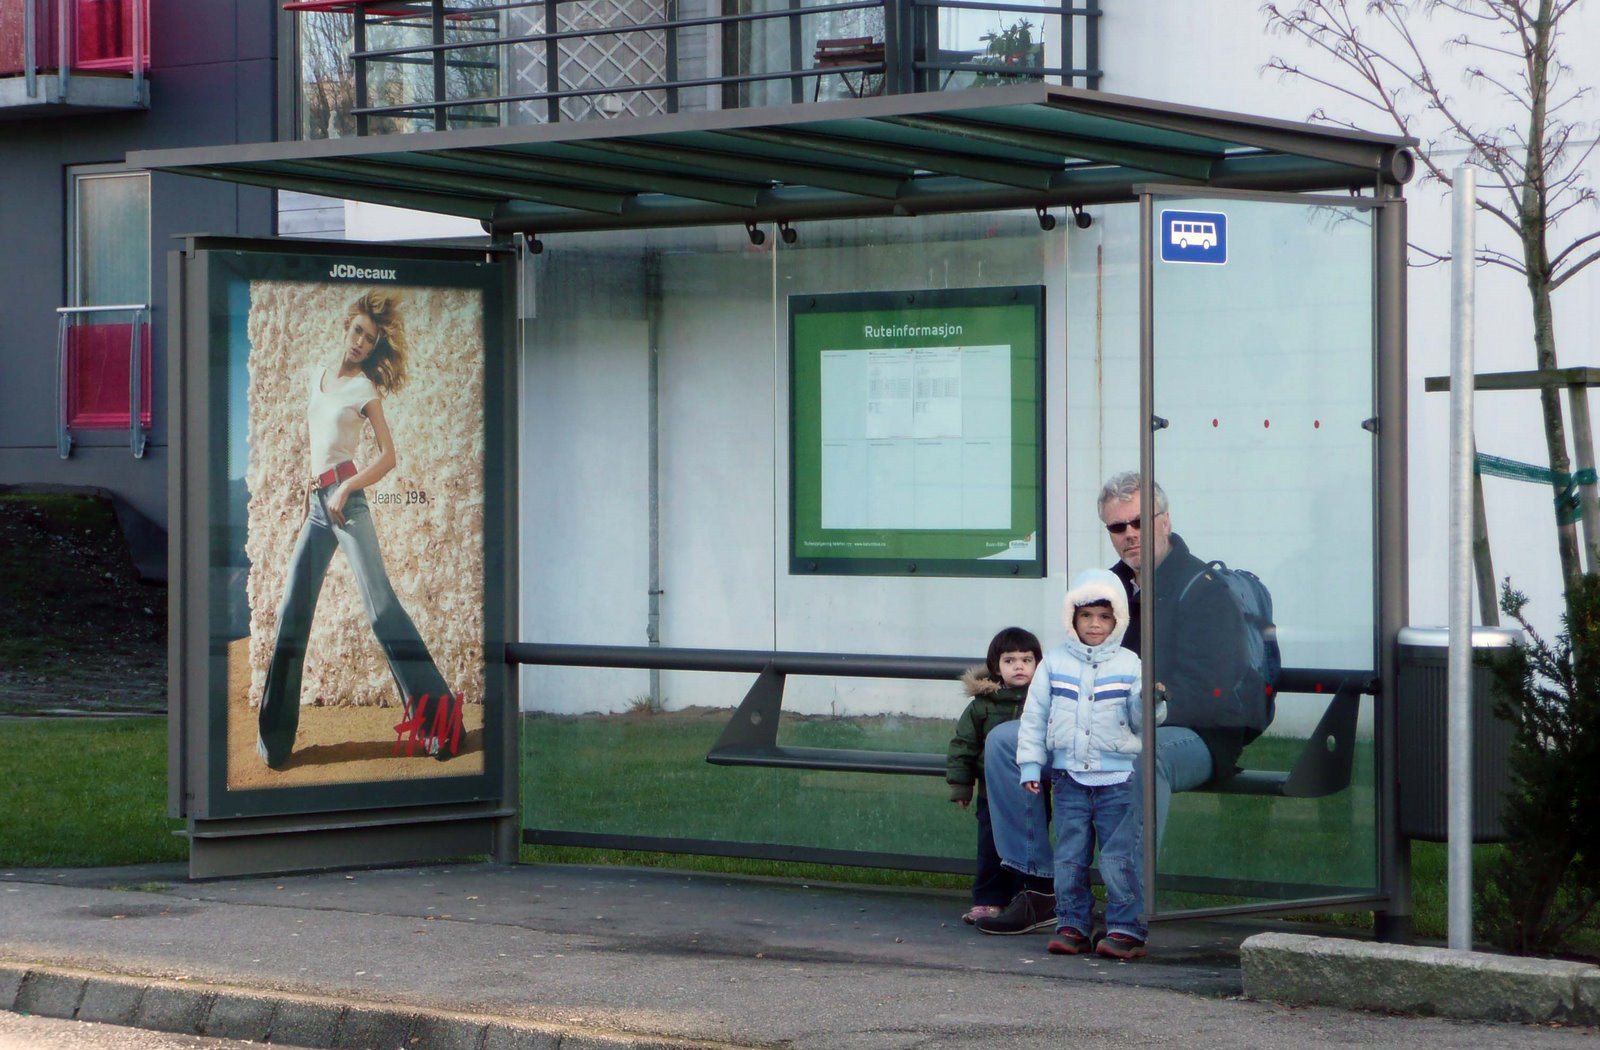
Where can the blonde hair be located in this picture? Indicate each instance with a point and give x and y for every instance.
(386, 365)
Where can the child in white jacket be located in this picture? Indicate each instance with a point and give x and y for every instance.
(1081, 723)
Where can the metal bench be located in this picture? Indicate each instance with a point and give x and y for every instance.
(751, 736)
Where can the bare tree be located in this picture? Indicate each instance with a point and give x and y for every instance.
(1506, 53)
(327, 76)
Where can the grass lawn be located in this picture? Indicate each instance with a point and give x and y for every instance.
(92, 793)
(1228, 848)
(86, 792)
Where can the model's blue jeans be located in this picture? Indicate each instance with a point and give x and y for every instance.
(1021, 825)
(1110, 815)
(413, 668)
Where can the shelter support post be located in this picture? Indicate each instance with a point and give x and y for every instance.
(1394, 852)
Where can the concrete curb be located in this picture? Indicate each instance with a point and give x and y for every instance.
(1399, 978)
(315, 1022)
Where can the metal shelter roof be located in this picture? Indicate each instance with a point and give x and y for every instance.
(1025, 145)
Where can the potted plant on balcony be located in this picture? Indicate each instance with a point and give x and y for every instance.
(1013, 53)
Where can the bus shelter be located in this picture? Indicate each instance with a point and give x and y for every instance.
(781, 414)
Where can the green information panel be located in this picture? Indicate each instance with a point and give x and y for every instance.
(917, 421)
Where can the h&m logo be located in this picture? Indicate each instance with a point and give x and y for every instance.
(365, 273)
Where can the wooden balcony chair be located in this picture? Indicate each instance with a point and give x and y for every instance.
(849, 51)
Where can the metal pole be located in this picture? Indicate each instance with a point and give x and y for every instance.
(1460, 675)
(652, 307)
(1147, 514)
(30, 50)
(64, 23)
(358, 43)
(63, 433)
(441, 87)
(1583, 459)
(1392, 575)
(138, 50)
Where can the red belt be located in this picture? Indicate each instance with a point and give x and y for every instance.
(339, 473)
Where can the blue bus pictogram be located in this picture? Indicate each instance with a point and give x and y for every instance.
(1194, 237)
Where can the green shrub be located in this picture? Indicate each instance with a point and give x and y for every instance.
(1544, 886)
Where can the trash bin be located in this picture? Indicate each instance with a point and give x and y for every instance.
(1423, 734)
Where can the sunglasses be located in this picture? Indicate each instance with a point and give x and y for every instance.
(1117, 528)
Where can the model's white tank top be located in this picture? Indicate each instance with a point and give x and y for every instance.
(334, 417)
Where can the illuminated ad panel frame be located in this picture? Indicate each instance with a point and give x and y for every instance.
(345, 610)
(917, 433)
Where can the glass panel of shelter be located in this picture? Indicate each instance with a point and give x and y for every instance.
(1262, 377)
(1275, 347)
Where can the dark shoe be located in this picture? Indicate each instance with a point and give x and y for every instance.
(1120, 946)
(1027, 912)
(1068, 941)
(273, 761)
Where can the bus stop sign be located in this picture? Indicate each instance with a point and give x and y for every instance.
(1194, 237)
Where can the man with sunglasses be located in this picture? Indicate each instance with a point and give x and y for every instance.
(1199, 658)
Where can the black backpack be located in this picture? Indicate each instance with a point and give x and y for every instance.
(1264, 662)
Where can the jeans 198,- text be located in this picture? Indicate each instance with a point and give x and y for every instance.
(414, 671)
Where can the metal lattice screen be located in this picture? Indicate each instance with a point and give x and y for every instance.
(599, 60)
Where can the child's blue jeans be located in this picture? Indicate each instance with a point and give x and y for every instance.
(1109, 815)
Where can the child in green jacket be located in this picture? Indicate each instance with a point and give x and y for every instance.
(997, 691)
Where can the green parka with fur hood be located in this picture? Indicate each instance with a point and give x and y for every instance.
(992, 704)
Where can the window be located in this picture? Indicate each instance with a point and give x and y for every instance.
(110, 251)
(105, 324)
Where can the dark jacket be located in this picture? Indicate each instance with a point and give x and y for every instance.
(1200, 652)
(992, 704)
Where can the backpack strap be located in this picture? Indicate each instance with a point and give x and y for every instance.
(1210, 566)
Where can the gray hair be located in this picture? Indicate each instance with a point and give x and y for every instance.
(1119, 488)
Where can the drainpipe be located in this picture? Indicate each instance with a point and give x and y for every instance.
(652, 307)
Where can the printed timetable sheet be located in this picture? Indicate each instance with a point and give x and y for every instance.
(916, 438)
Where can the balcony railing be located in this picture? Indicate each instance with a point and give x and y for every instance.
(104, 379)
(58, 55)
(385, 66)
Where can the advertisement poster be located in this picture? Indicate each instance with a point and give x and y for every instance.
(917, 423)
(349, 496)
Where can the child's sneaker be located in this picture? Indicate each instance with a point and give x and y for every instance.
(1068, 941)
(980, 911)
(1120, 946)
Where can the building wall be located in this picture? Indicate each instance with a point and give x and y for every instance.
(722, 593)
(212, 81)
(1214, 55)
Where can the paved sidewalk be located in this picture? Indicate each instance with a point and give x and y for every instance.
(546, 956)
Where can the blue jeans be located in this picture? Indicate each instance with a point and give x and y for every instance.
(1110, 816)
(1021, 825)
(415, 674)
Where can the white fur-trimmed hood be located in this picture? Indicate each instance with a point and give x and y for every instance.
(1093, 586)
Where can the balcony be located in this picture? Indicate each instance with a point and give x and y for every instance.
(65, 57)
(372, 67)
(104, 373)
